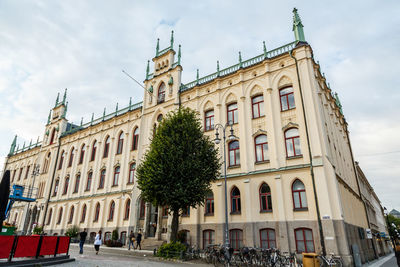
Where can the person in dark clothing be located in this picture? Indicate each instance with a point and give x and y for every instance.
(83, 236)
(131, 240)
(138, 240)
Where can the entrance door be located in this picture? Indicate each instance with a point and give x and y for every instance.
(152, 226)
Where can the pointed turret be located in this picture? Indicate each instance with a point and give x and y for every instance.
(65, 96)
(148, 69)
(240, 60)
(265, 50)
(158, 46)
(104, 114)
(58, 97)
(13, 145)
(298, 27)
(197, 76)
(49, 118)
(337, 101)
(65, 111)
(217, 68)
(179, 55)
(172, 39)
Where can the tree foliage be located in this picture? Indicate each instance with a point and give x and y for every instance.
(179, 166)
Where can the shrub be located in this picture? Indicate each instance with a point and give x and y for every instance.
(72, 231)
(113, 243)
(114, 235)
(171, 250)
(37, 230)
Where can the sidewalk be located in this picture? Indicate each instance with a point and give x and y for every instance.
(122, 250)
(379, 262)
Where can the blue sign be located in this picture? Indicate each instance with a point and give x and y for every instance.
(382, 234)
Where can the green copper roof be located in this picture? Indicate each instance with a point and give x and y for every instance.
(298, 27)
(243, 64)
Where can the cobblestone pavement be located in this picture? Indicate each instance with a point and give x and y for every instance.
(110, 259)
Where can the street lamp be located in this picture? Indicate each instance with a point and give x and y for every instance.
(217, 140)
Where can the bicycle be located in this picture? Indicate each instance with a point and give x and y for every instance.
(330, 260)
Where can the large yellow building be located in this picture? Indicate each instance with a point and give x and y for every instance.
(291, 175)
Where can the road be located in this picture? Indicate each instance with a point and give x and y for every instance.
(390, 263)
(110, 259)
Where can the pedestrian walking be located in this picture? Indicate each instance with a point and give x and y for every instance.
(138, 240)
(131, 240)
(97, 242)
(397, 252)
(83, 236)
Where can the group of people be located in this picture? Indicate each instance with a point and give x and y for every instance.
(98, 241)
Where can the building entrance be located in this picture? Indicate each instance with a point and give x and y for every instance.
(152, 225)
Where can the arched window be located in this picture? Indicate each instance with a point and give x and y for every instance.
(66, 184)
(61, 160)
(127, 209)
(142, 209)
(235, 200)
(49, 217)
(233, 113)
(83, 215)
(208, 238)
(135, 139)
(89, 181)
(292, 140)
(287, 98)
(161, 93)
(159, 118)
(102, 178)
(209, 120)
(96, 212)
(106, 147)
(267, 238)
(20, 173)
(94, 147)
(53, 133)
(111, 212)
(209, 207)
(71, 214)
(82, 155)
(60, 215)
(234, 153)
(261, 148)
(236, 238)
(265, 198)
(299, 195)
(27, 172)
(132, 168)
(45, 165)
(71, 157)
(116, 175)
(77, 180)
(120, 144)
(304, 240)
(56, 187)
(257, 106)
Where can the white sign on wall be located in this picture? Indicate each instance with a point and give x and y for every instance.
(369, 233)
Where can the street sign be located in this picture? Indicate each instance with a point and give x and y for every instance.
(382, 234)
(369, 233)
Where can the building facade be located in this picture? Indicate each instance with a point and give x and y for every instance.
(292, 180)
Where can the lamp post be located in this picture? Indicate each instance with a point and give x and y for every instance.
(217, 140)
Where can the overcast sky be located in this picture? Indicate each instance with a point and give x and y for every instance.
(46, 46)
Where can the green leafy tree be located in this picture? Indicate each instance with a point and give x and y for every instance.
(179, 166)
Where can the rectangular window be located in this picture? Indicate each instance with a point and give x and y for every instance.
(27, 172)
(258, 106)
(304, 240)
(287, 98)
(267, 238)
(233, 113)
(209, 120)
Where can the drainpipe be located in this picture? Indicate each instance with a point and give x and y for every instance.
(51, 184)
(321, 233)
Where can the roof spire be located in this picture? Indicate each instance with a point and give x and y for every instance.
(65, 95)
(91, 121)
(338, 103)
(13, 144)
(217, 68)
(104, 113)
(130, 102)
(158, 46)
(65, 110)
(172, 39)
(148, 69)
(81, 121)
(58, 97)
(179, 55)
(265, 50)
(298, 27)
(240, 60)
(48, 119)
(197, 76)
(116, 109)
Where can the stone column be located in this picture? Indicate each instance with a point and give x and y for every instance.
(146, 219)
(282, 235)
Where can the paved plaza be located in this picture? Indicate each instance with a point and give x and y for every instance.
(113, 258)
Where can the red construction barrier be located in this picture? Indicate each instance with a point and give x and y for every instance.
(6, 242)
(49, 244)
(26, 246)
(63, 244)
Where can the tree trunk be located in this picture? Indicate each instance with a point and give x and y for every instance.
(174, 226)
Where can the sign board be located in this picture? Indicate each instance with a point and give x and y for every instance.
(382, 234)
(369, 233)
